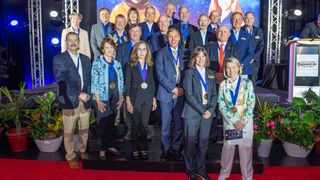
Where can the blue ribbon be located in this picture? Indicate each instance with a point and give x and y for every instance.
(131, 45)
(110, 69)
(120, 39)
(143, 72)
(176, 60)
(105, 29)
(76, 32)
(211, 29)
(184, 32)
(78, 63)
(234, 96)
(204, 84)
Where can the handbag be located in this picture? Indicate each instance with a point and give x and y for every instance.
(231, 134)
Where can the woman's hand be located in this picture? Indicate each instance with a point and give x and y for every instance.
(119, 103)
(129, 107)
(154, 104)
(206, 115)
(238, 125)
(101, 106)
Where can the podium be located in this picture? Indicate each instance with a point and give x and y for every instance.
(304, 67)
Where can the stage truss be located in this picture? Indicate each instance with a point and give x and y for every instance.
(36, 43)
(274, 32)
(70, 6)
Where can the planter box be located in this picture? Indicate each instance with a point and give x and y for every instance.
(264, 148)
(294, 150)
(51, 145)
(18, 141)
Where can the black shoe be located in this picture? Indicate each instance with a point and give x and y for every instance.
(204, 176)
(144, 155)
(177, 156)
(135, 155)
(149, 138)
(164, 156)
(113, 151)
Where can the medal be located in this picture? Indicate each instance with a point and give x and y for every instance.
(205, 96)
(233, 109)
(112, 85)
(234, 97)
(144, 85)
(177, 69)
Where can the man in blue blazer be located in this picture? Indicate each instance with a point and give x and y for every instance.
(214, 17)
(184, 27)
(170, 11)
(243, 39)
(149, 27)
(170, 66)
(72, 71)
(100, 30)
(258, 38)
(124, 50)
(158, 40)
(202, 37)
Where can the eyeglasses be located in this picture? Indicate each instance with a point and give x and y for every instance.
(142, 49)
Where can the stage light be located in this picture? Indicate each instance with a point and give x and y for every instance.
(55, 41)
(14, 22)
(53, 13)
(297, 12)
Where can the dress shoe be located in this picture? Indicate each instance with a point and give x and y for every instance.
(164, 156)
(144, 155)
(73, 164)
(113, 151)
(204, 176)
(102, 155)
(177, 156)
(83, 155)
(149, 138)
(135, 155)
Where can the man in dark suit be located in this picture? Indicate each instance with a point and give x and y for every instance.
(214, 17)
(149, 27)
(312, 29)
(170, 11)
(124, 50)
(244, 40)
(158, 40)
(170, 68)
(72, 71)
(100, 30)
(185, 29)
(203, 36)
(258, 38)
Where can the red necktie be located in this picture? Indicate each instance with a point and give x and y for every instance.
(221, 56)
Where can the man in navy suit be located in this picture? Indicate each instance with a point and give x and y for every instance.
(149, 27)
(258, 38)
(244, 40)
(203, 36)
(72, 71)
(158, 40)
(170, 11)
(170, 68)
(214, 17)
(185, 29)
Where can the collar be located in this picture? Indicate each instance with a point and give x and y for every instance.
(73, 56)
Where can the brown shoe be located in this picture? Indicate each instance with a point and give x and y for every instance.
(73, 164)
(83, 155)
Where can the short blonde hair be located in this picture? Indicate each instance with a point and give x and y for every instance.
(234, 61)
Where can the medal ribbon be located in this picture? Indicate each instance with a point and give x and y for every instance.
(110, 69)
(105, 29)
(204, 84)
(234, 96)
(185, 31)
(120, 39)
(75, 31)
(176, 60)
(143, 72)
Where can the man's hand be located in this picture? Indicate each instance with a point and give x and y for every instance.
(84, 97)
(206, 115)
(154, 104)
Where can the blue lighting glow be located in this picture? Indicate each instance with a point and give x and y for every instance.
(55, 41)
(14, 22)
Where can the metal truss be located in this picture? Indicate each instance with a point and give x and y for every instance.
(274, 31)
(70, 6)
(36, 43)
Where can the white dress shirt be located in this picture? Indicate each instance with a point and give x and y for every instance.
(75, 61)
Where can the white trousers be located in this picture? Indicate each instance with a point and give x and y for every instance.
(227, 156)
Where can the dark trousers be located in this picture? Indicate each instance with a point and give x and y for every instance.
(196, 145)
(255, 71)
(171, 111)
(140, 119)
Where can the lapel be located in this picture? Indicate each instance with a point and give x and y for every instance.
(197, 83)
(216, 51)
(72, 65)
(161, 40)
(137, 72)
(100, 29)
(210, 84)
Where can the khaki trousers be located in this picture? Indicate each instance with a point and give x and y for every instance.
(80, 117)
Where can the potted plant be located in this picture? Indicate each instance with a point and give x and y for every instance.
(45, 123)
(264, 127)
(11, 111)
(298, 124)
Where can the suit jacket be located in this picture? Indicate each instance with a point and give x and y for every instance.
(196, 39)
(96, 37)
(258, 38)
(84, 46)
(146, 34)
(158, 41)
(113, 35)
(193, 107)
(133, 85)
(246, 44)
(213, 53)
(210, 29)
(123, 53)
(166, 72)
(173, 22)
(191, 30)
(69, 81)
(312, 30)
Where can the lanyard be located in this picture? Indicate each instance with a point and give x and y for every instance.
(105, 29)
(75, 31)
(176, 60)
(143, 72)
(185, 31)
(110, 69)
(234, 96)
(120, 39)
(204, 84)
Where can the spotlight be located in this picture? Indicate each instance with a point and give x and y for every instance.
(53, 14)
(292, 14)
(297, 12)
(55, 41)
(14, 22)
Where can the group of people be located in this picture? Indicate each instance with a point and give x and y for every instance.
(186, 71)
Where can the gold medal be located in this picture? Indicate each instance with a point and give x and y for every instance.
(144, 85)
(177, 69)
(205, 96)
(233, 109)
(112, 85)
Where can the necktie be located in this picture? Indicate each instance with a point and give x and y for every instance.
(221, 57)
(175, 53)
